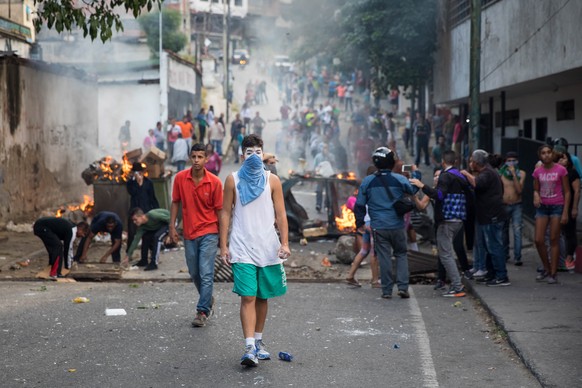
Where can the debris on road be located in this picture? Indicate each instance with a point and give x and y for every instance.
(115, 312)
(81, 299)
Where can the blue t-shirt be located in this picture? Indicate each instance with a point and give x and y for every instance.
(99, 224)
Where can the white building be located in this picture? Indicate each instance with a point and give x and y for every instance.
(238, 8)
(531, 57)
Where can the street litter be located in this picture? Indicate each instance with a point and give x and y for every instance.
(41, 288)
(303, 241)
(457, 304)
(396, 346)
(285, 356)
(81, 299)
(24, 263)
(115, 312)
(72, 370)
(134, 286)
(325, 262)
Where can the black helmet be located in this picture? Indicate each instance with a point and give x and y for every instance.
(383, 158)
(560, 141)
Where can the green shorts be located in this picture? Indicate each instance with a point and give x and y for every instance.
(262, 282)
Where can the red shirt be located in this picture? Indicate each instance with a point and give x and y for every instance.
(200, 202)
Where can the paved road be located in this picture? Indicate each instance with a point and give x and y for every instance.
(339, 336)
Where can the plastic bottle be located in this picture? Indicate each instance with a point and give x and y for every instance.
(285, 356)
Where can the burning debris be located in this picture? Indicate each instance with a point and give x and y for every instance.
(77, 213)
(347, 222)
(108, 169)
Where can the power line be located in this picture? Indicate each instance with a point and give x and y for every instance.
(524, 42)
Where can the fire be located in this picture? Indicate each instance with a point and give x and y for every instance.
(349, 176)
(86, 207)
(113, 171)
(347, 222)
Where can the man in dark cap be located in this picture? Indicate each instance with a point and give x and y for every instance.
(379, 192)
(142, 195)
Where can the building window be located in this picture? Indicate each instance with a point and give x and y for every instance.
(511, 118)
(527, 128)
(460, 10)
(238, 3)
(565, 110)
(541, 129)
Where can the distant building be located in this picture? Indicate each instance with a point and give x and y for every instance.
(16, 27)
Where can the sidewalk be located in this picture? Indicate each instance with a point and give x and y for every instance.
(543, 322)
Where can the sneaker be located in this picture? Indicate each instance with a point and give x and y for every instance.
(552, 280)
(353, 282)
(250, 357)
(200, 319)
(484, 280)
(151, 267)
(403, 294)
(261, 352)
(570, 264)
(440, 285)
(480, 274)
(141, 263)
(386, 296)
(518, 263)
(455, 293)
(498, 282)
(468, 274)
(542, 276)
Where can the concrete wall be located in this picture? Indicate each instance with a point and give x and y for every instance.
(118, 102)
(506, 26)
(48, 133)
(531, 75)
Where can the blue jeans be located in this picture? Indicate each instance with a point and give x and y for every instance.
(217, 144)
(387, 243)
(514, 213)
(490, 244)
(180, 165)
(200, 255)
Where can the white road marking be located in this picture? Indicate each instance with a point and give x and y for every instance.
(428, 370)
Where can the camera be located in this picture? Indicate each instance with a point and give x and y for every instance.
(407, 168)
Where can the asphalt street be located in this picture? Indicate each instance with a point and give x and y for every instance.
(338, 336)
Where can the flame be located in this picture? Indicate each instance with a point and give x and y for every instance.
(113, 171)
(86, 207)
(347, 222)
(349, 176)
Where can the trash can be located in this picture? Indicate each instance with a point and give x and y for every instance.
(112, 196)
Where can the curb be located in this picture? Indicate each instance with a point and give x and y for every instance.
(499, 322)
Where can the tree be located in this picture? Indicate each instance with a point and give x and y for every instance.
(97, 18)
(172, 38)
(393, 41)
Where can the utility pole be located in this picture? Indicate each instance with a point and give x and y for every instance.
(226, 56)
(475, 73)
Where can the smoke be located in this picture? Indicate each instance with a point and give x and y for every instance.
(128, 81)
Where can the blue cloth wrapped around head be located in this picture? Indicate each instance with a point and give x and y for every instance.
(252, 179)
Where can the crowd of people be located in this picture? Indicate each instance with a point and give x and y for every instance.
(244, 219)
(473, 208)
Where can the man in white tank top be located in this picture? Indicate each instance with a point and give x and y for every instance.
(253, 199)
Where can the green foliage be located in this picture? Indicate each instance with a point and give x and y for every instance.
(172, 38)
(393, 40)
(96, 18)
